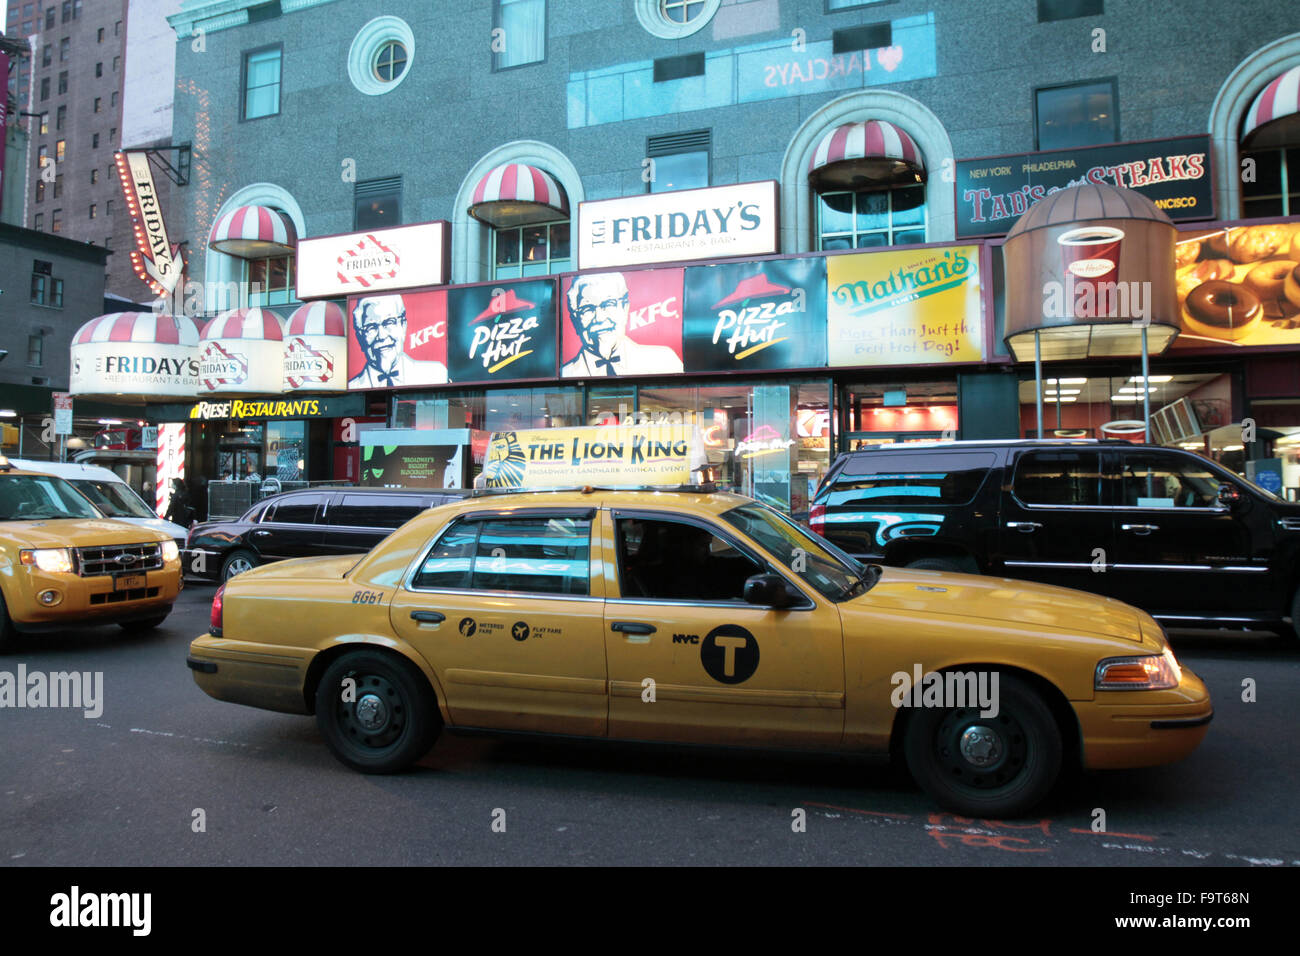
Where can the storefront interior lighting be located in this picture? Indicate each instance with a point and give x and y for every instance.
(1063, 401)
(1233, 448)
(1151, 378)
(1067, 381)
(8, 413)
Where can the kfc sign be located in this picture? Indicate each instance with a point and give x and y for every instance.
(381, 259)
(713, 223)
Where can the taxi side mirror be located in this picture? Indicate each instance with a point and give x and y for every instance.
(1229, 496)
(769, 590)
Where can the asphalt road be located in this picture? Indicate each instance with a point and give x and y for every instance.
(126, 787)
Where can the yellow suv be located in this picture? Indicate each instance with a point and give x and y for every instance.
(62, 563)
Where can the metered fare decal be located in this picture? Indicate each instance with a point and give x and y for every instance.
(767, 315)
(906, 307)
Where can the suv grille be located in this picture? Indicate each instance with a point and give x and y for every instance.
(118, 558)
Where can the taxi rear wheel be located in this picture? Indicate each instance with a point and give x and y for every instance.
(375, 714)
(986, 767)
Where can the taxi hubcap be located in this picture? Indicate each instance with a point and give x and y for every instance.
(980, 746)
(371, 712)
(377, 717)
(981, 752)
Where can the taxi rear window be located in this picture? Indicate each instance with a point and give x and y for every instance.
(537, 555)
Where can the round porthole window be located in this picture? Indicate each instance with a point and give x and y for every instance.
(674, 19)
(390, 62)
(381, 55)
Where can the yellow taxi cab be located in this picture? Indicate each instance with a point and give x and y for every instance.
(699, 617)
(63, 564)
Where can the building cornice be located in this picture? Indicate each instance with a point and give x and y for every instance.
(43, 241)
(210, 16)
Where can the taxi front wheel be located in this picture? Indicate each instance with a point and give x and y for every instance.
(989, 767)
(375, 714)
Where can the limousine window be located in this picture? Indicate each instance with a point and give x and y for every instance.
(530, 555)
(376, 511)
(889, 480)
(1058, 478)
(297, 510)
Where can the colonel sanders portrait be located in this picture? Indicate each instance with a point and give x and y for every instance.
(598, 309)
(380, 325)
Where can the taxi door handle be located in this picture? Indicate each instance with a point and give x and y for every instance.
(428, 617)
(632, 627)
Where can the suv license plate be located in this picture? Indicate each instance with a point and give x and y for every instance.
(128, 582)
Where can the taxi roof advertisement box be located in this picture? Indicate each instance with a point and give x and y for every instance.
(715, 222)
(356, 263)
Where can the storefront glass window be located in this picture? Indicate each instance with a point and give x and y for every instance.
(883, 414)
(1275, 187)
(887, 217)
(286, 451)
(273, 279)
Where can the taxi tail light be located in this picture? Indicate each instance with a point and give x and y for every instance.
(817, 519)
(214, 624)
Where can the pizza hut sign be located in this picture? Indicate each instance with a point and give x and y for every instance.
(405, 257)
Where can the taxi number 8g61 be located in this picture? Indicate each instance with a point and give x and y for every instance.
(367, 597)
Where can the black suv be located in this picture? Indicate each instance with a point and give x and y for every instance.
(1163, 529)
(300, 524)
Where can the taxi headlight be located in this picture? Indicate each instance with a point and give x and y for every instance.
(170, 551)
(1150, 672)
(48, 559)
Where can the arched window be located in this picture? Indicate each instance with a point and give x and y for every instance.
(1270, 143)
(528, 213)
(868, 181)
(260, 241)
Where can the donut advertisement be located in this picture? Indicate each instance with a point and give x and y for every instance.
(1238, 286)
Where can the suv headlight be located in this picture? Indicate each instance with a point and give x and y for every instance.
(1149, 672)
(58, 560)
(170, 550)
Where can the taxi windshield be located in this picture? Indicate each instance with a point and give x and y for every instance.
(29, 497)
(832, 572)
(113, 498)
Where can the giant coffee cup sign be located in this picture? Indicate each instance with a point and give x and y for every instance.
(1112, 275)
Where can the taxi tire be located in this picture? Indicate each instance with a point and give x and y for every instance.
(239, 554)
(8, 633)
(409, 695)
(1019, 707)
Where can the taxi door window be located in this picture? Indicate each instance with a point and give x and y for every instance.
(1069, 478)
(675, 561)
(534, 555)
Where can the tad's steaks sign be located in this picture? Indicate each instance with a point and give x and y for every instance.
(357, 263)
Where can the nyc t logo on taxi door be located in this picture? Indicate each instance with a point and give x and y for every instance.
(729, 654)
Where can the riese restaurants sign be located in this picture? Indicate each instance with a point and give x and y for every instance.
(992, 193)
(712, 223)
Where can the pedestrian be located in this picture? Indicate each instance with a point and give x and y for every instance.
(180, 510)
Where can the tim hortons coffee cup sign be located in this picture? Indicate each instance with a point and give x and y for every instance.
(1090, 254)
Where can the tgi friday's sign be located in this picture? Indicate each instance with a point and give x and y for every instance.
(154, 259)
(360, 263)
(713, 223)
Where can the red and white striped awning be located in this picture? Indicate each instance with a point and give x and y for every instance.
(317, 318)
(253, 232)
(253, 324)
(514, 194)
(1277, 107)
(862, 155)
(152, 327)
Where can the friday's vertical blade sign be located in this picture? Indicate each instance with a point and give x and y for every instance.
(155, 260)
